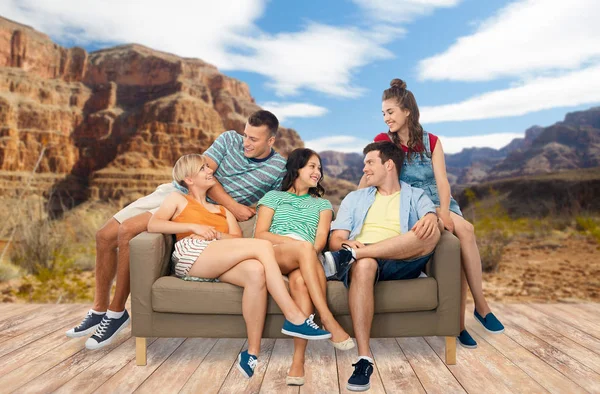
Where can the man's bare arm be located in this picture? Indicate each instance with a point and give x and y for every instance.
(218, 194)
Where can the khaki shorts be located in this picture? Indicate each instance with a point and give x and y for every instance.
(149, 203)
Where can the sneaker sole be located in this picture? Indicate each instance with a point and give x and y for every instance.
(466, 346)
(81, 333)
(109, 340)
(485, 328)
(330, 264)
(308, 337)
(239, 367)
(353, 387)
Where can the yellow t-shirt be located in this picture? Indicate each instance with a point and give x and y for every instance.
(383, 219)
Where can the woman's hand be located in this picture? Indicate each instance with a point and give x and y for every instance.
(425, 227)
(446, 219)
(204, 232)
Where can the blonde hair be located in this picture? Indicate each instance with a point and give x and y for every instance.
(187, 166)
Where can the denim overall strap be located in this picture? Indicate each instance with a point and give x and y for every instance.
(426, 142)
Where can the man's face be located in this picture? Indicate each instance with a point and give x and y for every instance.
(374, 169)
(257, 142)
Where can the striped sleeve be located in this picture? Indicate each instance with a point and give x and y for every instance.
(218, 150)
(270, 200)
(325, 205)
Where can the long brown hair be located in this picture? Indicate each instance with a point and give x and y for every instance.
(406, 99)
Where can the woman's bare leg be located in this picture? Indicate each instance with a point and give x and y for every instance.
(302, 254)
(302, 298)
(220, 256)
(250, 275)
(471, 261)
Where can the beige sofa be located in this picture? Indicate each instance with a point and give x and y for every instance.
(165, 306)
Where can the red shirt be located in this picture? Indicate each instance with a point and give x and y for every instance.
(385, 137)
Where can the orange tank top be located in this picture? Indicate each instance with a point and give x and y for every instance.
(194, 212)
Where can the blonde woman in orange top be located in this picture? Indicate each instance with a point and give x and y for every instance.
(209, 245)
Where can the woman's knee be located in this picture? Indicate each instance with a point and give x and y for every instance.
(255, 273)
(465, 231)
(297, 283)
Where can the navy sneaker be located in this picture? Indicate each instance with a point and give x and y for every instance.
(490, 323)
(246, 363)
(87, 326)
(359, 381)
(339, 262)
(466, 340)
(307, 330)
(107, 331)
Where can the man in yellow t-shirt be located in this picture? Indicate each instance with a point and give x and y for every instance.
(371, 235)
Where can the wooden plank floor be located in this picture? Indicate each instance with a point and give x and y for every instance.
(546, 348)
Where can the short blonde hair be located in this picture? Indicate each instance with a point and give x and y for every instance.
(187, 166)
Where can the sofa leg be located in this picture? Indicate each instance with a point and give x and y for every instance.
(450, 350)
(140, 351)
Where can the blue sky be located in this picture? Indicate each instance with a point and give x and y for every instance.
(482, 71)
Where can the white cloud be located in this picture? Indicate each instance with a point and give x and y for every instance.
(201, 28)
(572, 89)
(321, 58)
(285, 111)
(315, 57)
(496, 141)
(402, 11)
(339, 143)
(529, 36)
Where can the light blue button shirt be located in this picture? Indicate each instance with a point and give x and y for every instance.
(414, 204)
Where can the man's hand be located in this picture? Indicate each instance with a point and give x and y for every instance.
(204, 232)
(425, 227)
(447, 220)
(353, 244)
(242, 212)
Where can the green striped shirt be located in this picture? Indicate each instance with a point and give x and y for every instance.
(295, 214)
(245, 180)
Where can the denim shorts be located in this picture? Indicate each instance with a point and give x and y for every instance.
(389, 269)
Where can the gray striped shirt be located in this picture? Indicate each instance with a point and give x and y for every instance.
(245, 180)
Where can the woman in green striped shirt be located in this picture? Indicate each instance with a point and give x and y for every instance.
(296, 220)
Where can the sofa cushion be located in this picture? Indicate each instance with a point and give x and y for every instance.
(170, 294)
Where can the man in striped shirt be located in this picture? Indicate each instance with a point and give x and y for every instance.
(246, 167)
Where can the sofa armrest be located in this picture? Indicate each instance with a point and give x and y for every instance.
(445, 267)
(149, 257)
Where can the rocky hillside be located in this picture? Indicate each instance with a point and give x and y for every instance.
(564, 193)
(108, 124)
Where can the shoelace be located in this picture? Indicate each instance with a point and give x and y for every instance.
(87, 317)
(310, 322)
(252, 362)
(101, 330)
(362, 367)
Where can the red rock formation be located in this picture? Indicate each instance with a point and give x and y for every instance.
(107, 117)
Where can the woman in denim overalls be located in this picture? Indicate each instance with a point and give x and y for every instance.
(427, 170)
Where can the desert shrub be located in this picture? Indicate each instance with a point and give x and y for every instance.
(9, 271)
(589, 226)
(491, 248)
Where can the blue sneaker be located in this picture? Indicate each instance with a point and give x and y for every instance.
(490, 323)
(87, 326)
(466, 340)
(339, 262)
(107, 331)
(246, 363)
(307, 330)
(359, 381)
